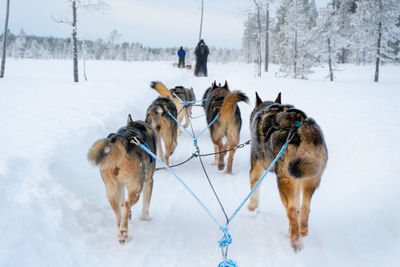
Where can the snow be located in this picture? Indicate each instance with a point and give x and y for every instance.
(53, 207)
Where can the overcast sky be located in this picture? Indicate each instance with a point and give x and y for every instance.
(156, 23)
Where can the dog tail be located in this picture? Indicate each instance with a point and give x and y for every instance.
(153, 118)
(306, 167)
(106, 152)
(161, 89)
(230, 101)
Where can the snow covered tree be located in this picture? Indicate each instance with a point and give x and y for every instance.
(375, 21)
(345, 29)
(248, 39)
(267, 29)
(258, 7)
(293, 32)
(20, 45)
(326, 36)
(3, 54)
(112, 38)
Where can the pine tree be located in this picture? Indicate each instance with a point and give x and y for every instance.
(375, 21)
(296, 19)
(20, 45)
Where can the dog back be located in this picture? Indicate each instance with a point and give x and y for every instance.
(270, 124)
(117, 147)
(158, 111)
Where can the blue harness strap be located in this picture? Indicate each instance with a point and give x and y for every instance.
(226, 239)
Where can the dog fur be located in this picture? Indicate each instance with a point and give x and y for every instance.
(184, 94)
(300, 167)
(123, 164)
(221, 100)
(164, 125)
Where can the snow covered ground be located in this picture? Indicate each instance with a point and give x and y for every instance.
(53, 207)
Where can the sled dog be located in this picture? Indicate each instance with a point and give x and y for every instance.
(124, 164)
(300, 167)
(164, 125)
(221, 100)
(184, 94)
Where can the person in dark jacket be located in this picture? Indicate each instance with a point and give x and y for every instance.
(201, 53)
(181, 55)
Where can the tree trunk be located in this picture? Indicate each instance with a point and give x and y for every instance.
(3, 55)
(266, 38)
(342, 57)
(295, 56)
(201, 19)
(84, 59)
(330, 60)
(259, 63)
(378, 50)
(74, 44)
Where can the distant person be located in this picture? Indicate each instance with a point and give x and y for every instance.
(201, 53)
(181, 55)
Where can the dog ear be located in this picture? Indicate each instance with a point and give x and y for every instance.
(213, 85)
(226, 84)
(129, 119)
(258, 100)
(278, 99)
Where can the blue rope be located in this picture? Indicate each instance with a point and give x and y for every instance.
(192, 102)
(289, 138)
(226, 239)
(227, 263)
(184, 185)
(201, 132)
(188, 102)
(172, 116)
(259, 182)
(216, 117)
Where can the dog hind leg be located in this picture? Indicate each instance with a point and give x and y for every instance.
(233, 140)
(114, 192)
(289, 190)
(221, 163)
(147, 191)
(308, 188)
(133, 197)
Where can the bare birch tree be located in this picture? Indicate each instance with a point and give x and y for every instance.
(266, 61)
(88, 5)
(259, 59)
(4, 49)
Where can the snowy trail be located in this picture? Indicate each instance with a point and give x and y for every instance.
(54, 207)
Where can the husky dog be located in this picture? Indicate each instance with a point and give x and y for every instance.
(300, 167)
(221, 100)
(184, 94)
(124, 164)
(164, 125)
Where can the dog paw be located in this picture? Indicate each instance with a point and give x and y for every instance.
(304, 231)
(297, 245)
(221, 166)
(145, 218)
(123, 236)
(251, 206)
